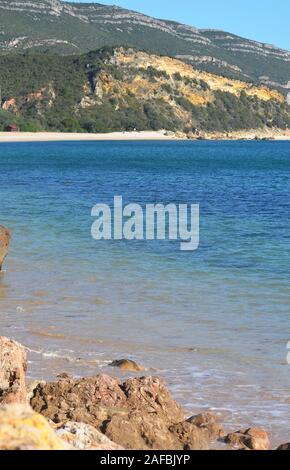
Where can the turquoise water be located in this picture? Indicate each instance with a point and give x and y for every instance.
(214, 322)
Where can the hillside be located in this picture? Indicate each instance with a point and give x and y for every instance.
(123, 89)
(76, 28)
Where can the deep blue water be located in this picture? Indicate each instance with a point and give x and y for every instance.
(215, 322)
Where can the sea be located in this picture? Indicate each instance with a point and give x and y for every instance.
(214, 322)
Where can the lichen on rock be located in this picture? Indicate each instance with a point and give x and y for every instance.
(23, 429)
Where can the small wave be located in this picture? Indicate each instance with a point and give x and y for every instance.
(68, 356)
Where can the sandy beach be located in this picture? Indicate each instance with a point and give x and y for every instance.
(276, 134)
(69, 136)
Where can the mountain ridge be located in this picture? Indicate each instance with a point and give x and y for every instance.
(77, 28)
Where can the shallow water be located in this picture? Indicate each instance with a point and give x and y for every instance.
(214, 322)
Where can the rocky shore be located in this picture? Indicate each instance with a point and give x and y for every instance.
(103, 413)
(250, 134)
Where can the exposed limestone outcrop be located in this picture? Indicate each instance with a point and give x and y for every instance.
(142, 60)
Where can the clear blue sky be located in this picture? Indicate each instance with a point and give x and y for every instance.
(263, 20)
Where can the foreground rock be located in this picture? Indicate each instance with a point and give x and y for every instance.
(127, 365)
(13, 366)
(284, 446)
(252, 439)
(137, 414)
(209, 422)
(5, 237)
(23, 429)
(82, 436)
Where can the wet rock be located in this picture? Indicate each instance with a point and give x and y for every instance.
(137, 414)
(13, 366)
(253, 439)
(64, 375)
(82, 436)
(284, 446)
(209, 422)
(127, 365)
(5, 237)
(23, 429)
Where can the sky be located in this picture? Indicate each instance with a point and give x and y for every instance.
(263, 20)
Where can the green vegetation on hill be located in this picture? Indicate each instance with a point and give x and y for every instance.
(91, 93)
(76, 28)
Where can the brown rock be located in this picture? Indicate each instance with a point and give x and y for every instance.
(209, 422)
(127, 365)
(13, 366)
(141, 431)
(284, 446)
(150, 394)
(89, 400)
(253, 439)
(138, 414)
(5, 237)
(191, 437)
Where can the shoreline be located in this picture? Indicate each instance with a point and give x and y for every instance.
(162, 135)
(74, 136)
(102, 412)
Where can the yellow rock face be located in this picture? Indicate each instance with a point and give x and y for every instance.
(141, 60)
(23, 429)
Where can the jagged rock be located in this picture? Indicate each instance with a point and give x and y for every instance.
(191, 437)
(209, 422)
(23, 429)
(138, 414)
(13, 366)
(5, 237)
(253, 439)
(87, 400)
(151, 395)
(284, 446)
(82, 436)
(127, 365)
